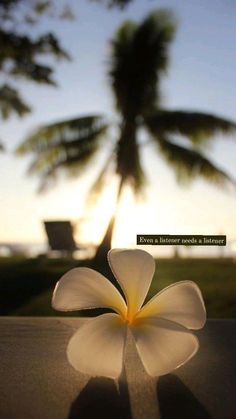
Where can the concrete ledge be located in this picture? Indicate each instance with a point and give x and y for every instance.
(36, 381)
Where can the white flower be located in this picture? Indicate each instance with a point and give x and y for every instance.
(160, 327)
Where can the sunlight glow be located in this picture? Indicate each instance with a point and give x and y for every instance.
(131, 218)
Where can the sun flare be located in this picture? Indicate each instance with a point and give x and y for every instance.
(132, 217)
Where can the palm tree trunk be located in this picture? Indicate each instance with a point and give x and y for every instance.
(105, 245)
(124, 151)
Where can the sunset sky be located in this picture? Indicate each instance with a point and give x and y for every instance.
(201, 77)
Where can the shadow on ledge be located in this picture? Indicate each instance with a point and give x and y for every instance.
(176, 401)
(100, 399)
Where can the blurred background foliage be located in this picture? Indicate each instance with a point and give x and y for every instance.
(26, 285)
(25, 57)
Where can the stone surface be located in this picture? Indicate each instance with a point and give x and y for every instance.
(36, 380)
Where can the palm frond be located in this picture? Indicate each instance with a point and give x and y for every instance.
(189, 164)
(49, 164)
(196, 126)
(139, 55)
(64, 134)
(67, 145)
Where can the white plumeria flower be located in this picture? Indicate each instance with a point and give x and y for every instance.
(160, 327)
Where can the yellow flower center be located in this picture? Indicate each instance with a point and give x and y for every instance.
(129, 318)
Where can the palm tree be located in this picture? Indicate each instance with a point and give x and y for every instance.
(139, 57)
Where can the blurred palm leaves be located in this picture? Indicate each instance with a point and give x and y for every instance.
(139, 57)
(69, 145)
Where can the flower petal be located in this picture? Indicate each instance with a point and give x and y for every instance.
(163, 345)
(82, 288)
(97, 347)
(181, 302)
(133, 270)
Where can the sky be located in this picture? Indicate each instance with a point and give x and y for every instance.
(201, 76)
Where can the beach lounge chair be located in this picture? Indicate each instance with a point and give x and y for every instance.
(60, 237)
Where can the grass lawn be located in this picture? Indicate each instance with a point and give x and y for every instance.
(26, 284)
